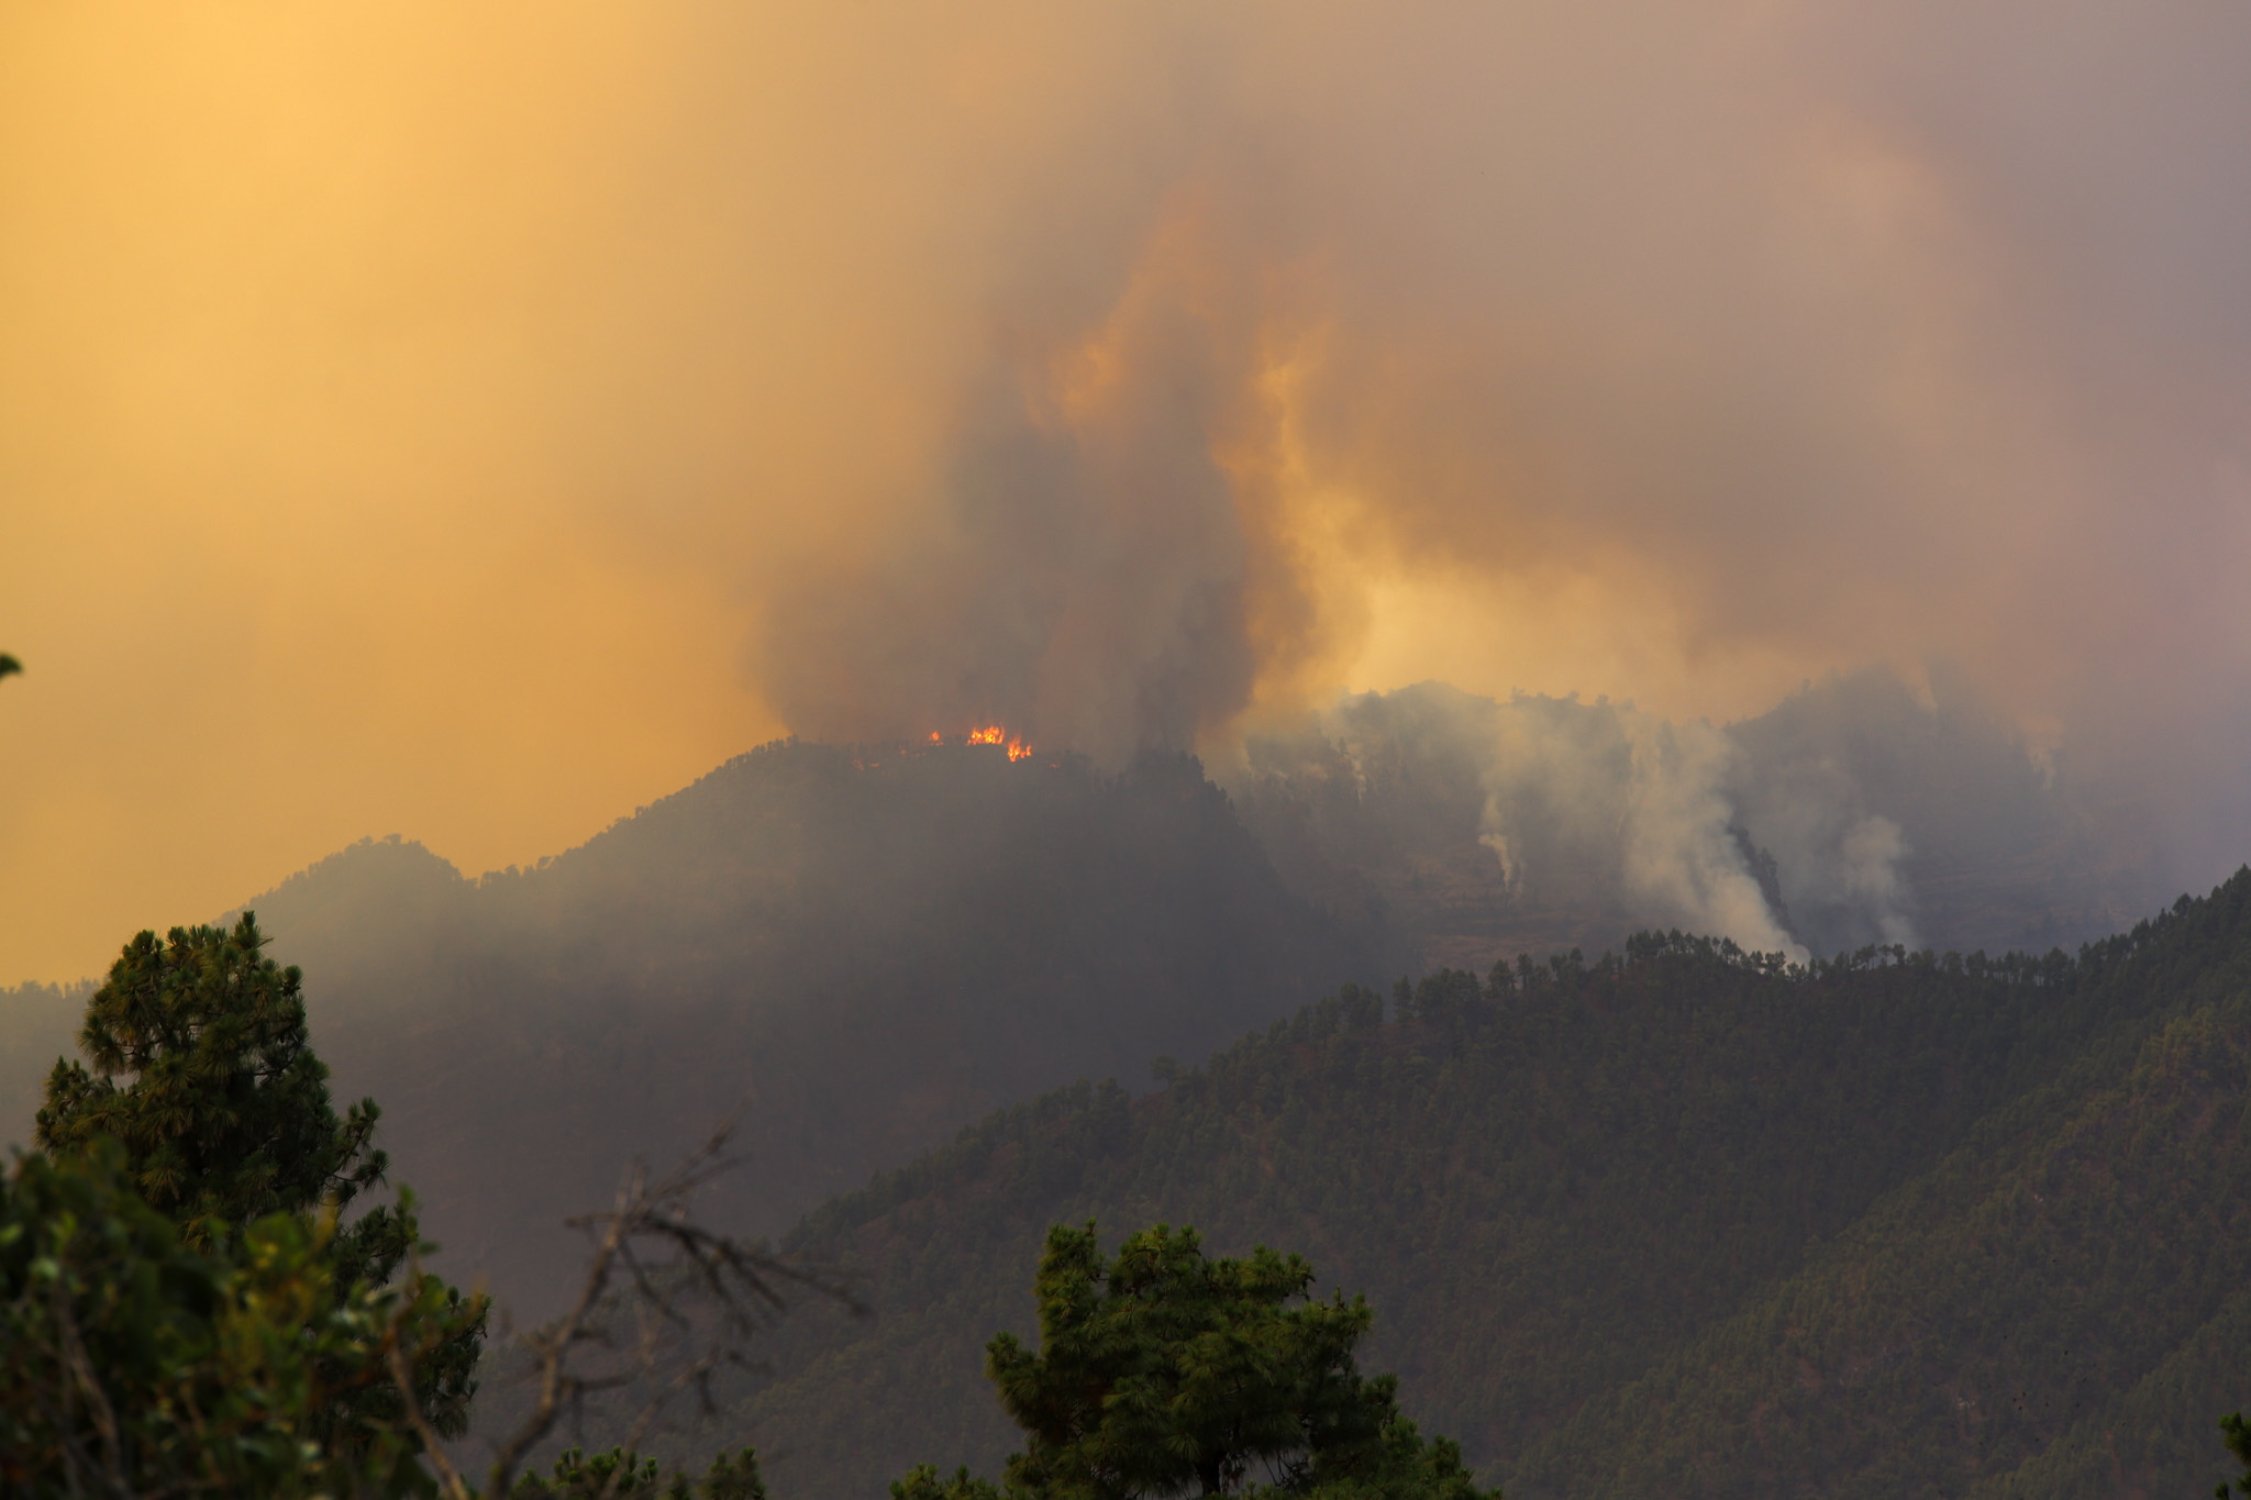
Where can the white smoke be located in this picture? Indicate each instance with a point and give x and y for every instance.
(1606, 807)
(1574, 790)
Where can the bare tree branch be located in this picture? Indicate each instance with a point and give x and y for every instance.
(694, 1297)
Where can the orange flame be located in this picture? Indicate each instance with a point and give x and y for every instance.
(991, 734)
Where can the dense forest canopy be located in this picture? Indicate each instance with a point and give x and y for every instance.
(1684, 1220)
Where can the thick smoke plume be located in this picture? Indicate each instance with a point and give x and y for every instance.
(1085, 568)
(1493, 343)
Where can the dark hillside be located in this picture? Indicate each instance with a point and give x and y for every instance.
(1669, 1224)
(859, 950)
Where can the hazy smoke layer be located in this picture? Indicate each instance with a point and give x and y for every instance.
(476, 388)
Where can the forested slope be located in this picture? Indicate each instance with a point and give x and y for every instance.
(2069, 1279)
(1676, 1223)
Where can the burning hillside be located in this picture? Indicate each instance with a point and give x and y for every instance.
(990, 734)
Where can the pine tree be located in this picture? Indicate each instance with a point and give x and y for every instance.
(1164, 1372)
(202, 1074)
(202, 1071)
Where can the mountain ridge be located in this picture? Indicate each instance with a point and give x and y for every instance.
(853, 951)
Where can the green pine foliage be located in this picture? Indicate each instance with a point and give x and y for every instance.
(623, 1474)
(135, 1363)
(2237, 1432)
(202, 1071)
(1163, 1371)
(1684, 1220)
(187, 1305)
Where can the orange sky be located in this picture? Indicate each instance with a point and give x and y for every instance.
(475, 424)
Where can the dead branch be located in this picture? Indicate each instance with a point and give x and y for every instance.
(693, 1296)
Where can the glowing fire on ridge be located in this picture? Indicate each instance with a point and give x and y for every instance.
(990, 734)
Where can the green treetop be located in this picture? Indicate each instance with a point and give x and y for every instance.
(622, 1474)
(202, 1071)
(2237, 1433)
(1164, 1372)
(202, 1076)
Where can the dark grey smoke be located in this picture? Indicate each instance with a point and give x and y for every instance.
(1084, 586)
